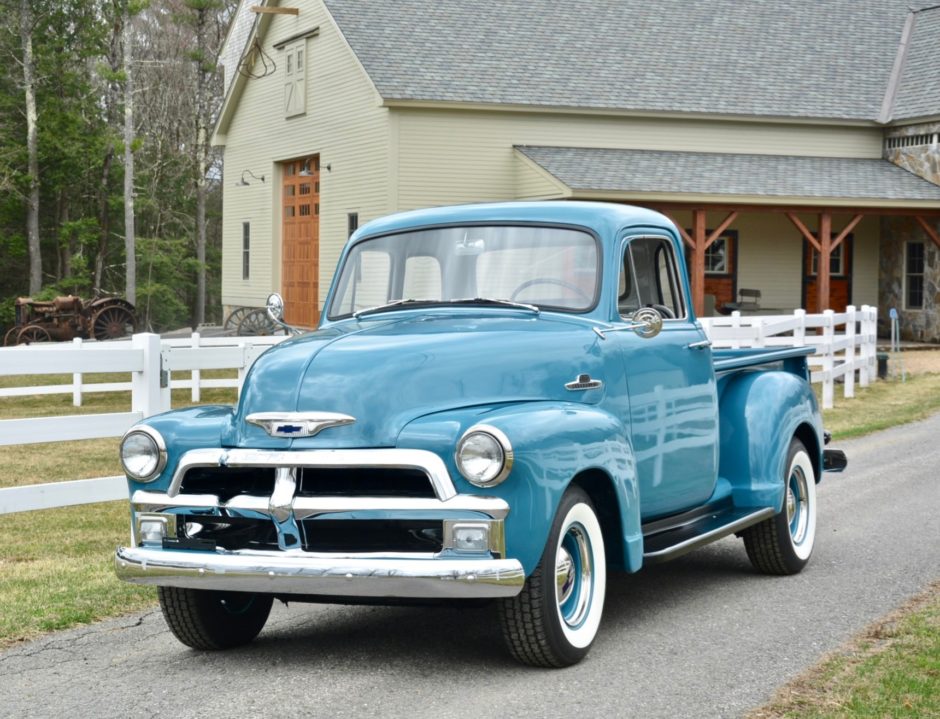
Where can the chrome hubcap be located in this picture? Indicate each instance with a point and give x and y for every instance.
(574, 576)
(564, 577)
(797, 506)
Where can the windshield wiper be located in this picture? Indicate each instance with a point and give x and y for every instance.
(394, 304)
(411, 302)
(493, 301)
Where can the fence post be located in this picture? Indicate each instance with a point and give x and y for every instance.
(77, 378)
(243, 370)
(827, 359)
(149, 388)
(197, 375)
(799, 334)
(849, 388)
(736, 324)
(863, 347)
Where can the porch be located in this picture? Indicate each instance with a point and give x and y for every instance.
(815, 233)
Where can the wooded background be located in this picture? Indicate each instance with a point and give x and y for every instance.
(106, 108)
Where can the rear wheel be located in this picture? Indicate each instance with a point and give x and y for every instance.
(205, 619)
(553, 621)
(784, 543)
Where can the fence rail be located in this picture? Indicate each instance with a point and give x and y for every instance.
(151, 363)
(148, 360)
(845, 343)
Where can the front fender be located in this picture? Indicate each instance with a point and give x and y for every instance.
(553, 442)
(761, 412)
(183, 430)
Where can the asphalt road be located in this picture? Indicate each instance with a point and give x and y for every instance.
(704, 636)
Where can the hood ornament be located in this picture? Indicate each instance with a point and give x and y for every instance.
(297, 424)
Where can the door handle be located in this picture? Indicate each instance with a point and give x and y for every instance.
(699, 345)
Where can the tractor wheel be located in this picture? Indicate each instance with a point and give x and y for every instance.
(235, 318)
(32, 333)
(112, 322)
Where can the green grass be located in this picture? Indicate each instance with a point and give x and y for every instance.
(884, 404)
(56, 565)
(890, 670)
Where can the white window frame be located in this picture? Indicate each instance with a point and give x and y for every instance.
(295, 78)
(837, 254)
(724, 240)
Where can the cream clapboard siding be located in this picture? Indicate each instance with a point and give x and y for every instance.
(770, 255)
(344, 123)
(448, 156)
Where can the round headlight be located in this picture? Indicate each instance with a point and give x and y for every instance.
(484, 456)
(143, 454)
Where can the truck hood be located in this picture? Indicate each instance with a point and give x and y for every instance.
(385, 373)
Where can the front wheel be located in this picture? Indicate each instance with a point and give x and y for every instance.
(783, 543)
(207, 619)
(553, 621)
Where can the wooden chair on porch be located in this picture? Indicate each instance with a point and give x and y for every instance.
(748, 300)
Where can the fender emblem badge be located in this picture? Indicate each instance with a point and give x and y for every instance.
(297, 424)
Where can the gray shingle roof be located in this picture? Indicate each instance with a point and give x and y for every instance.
(919, 92)
(646, 171)
(783, 58)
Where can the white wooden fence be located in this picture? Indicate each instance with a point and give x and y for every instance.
(152, 362)
(148, 360)
(844, 342)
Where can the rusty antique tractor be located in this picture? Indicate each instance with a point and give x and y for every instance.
(64, 318)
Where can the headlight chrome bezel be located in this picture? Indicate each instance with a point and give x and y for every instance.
(505, 446)
(159, 445)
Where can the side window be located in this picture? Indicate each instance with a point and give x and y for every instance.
(649, 278)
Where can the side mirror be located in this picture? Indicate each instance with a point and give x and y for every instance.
(275, 307)
(647, 322)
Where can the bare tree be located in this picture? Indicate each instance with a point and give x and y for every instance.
(32, 147)
(130, 243)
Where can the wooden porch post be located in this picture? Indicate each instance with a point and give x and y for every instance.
(928, 230)
(822, 269)
(697, 270)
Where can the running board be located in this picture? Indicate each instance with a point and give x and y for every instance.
(662, 544)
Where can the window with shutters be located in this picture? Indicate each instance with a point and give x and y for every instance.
(295, 78)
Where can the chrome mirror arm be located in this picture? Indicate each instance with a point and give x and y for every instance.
(275, 309)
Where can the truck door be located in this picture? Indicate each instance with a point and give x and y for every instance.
(671, 379)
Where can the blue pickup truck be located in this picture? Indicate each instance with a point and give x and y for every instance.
(500, 402)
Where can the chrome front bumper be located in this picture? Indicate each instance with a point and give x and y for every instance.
(292, 570)
(298, 572)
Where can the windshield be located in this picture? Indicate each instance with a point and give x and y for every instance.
(548, 267)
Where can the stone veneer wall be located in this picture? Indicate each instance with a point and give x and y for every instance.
(921, 325)
(922, 160)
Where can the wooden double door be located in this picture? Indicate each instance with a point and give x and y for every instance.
(300, 240)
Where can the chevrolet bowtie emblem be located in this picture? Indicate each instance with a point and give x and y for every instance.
(297, 424)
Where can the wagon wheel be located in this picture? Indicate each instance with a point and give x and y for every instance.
(256, 323)
(9, 339)
(32, 333)
(235, 318)
(112, 322)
